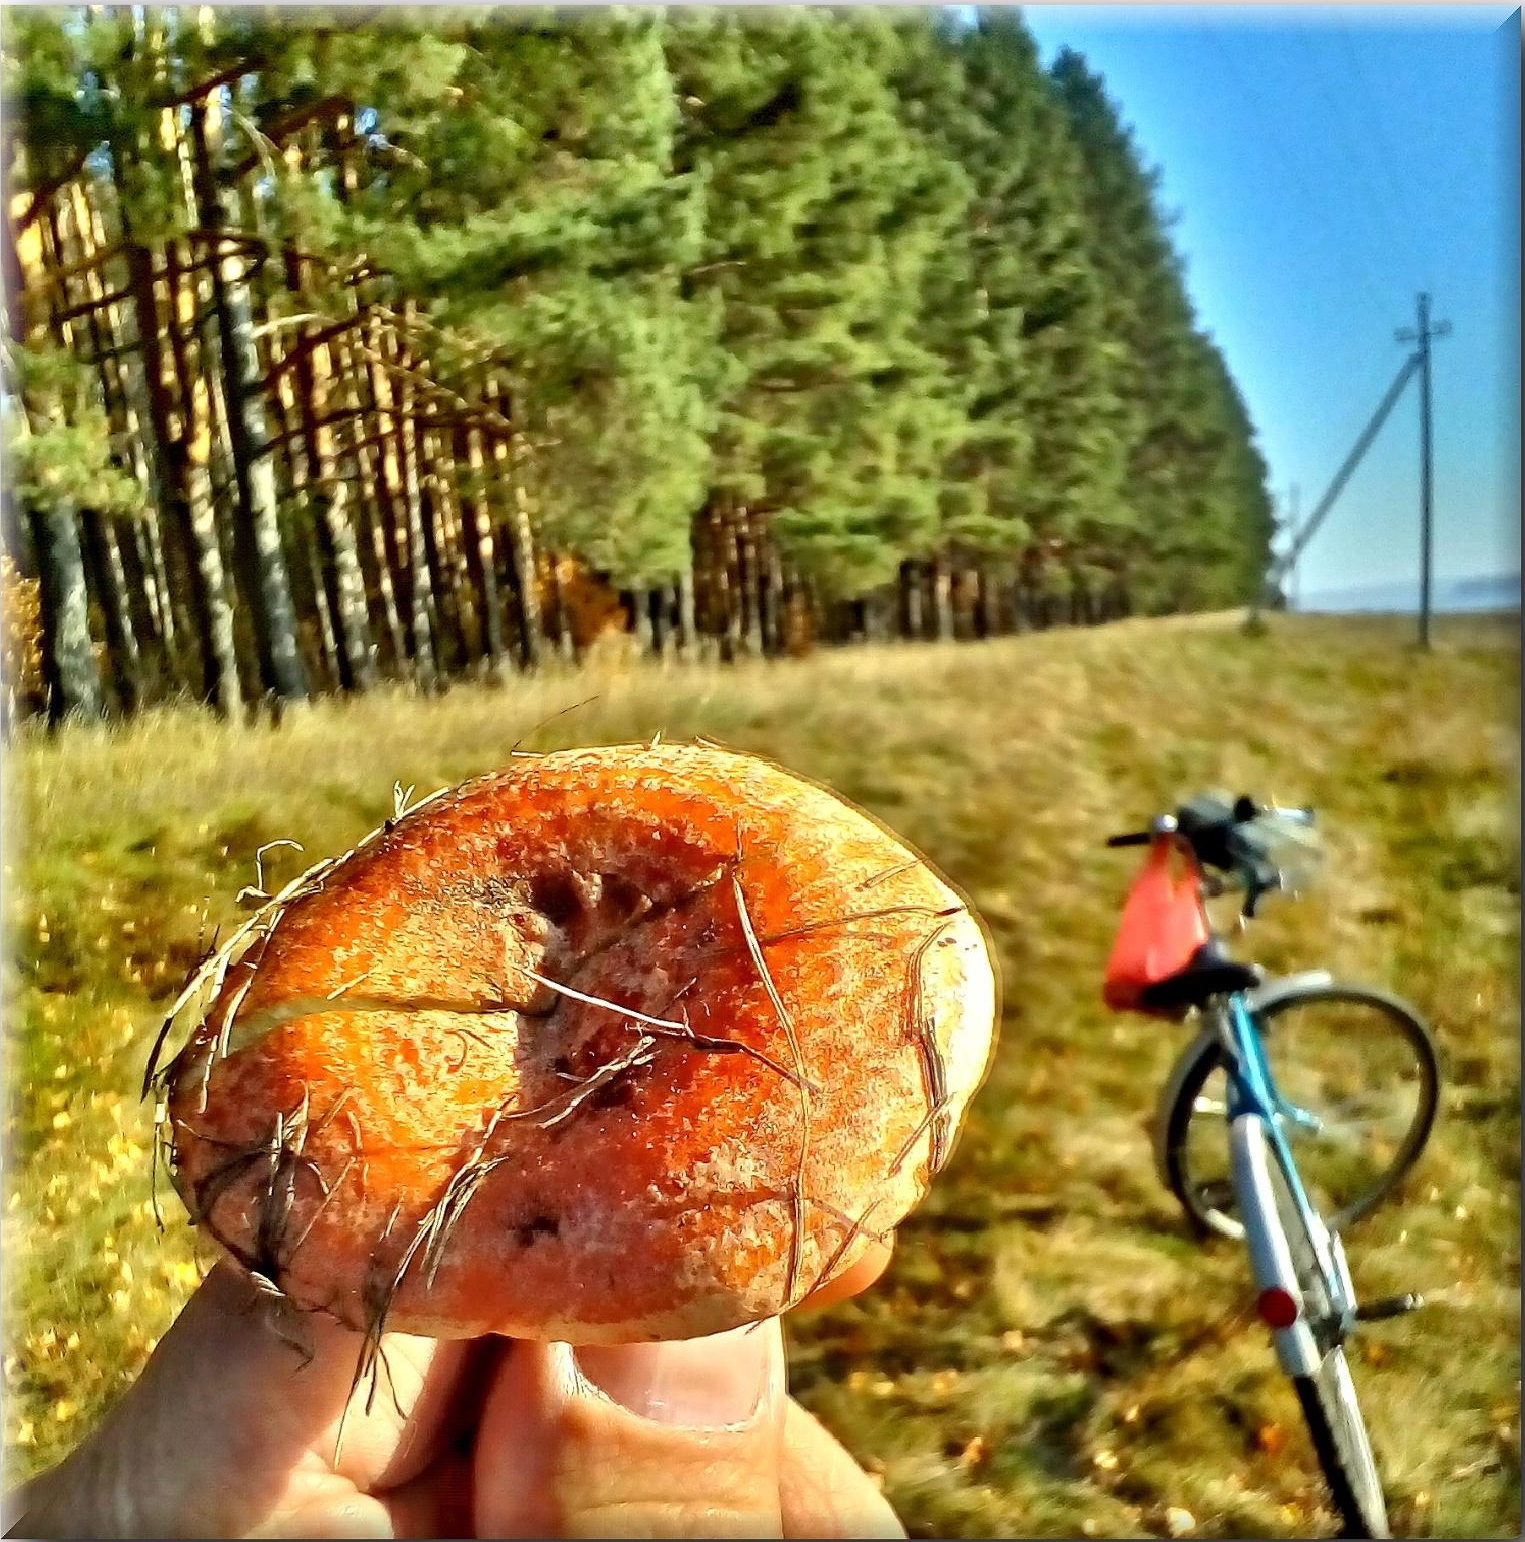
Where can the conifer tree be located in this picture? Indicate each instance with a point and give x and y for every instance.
(1038, 474)
(436, 322)
(1196, 482)
(821, 211)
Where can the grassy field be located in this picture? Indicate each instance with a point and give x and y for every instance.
(1051, 1353)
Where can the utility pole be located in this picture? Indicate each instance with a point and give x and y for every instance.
(1292, 537)
(1422, 335)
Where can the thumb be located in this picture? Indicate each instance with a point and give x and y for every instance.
(678, 1439)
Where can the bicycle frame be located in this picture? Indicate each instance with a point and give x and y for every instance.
(1252, 1086)
(1265, 997)
(1256, 1113)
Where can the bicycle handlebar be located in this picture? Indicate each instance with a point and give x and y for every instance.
(1219, 836)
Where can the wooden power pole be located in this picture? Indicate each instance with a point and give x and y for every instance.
(1292, 537)
(1422, 335)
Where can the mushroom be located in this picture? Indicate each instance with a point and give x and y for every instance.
(611, 1045)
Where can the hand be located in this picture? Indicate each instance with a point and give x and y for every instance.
(227, 1434)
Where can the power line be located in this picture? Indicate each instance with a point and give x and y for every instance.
(1291, 165)
(1389, 237)
(1400, 187)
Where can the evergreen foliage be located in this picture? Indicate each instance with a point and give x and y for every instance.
(840, 298)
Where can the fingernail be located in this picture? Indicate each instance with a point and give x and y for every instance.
(723, 1379)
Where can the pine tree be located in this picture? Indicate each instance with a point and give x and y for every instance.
(822, 209)
(1037, 472)
(62, 470)
(537, 213)
(1196, 482)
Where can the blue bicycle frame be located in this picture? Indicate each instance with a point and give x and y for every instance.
(1252, 1090)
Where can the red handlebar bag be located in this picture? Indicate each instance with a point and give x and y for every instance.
(1163, 924)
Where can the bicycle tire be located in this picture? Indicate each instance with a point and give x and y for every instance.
(1328, 1396)
(1205, 1202)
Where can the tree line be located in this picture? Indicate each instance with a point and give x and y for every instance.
(443, 344)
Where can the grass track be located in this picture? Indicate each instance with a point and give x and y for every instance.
(1050, 1355)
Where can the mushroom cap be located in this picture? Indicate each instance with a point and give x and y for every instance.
(611, 1045)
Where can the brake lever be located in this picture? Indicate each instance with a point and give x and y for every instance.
(1260, 879)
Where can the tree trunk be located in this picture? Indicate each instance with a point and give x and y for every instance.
(380, 514)
(481, 556)
(183, 602)
(989, 601)
(561, 624)
(343, 581)
(660, 607)
(390, 482)
(196, 509)
(912, 621)
(749, 567)
(308, 558)
(730, 582)
(104, 576)
(134, 627)
(135, 554)
(228, 691)
(69, 667)
(143, 556)
(871, 617)
(526, 566)
(446, 589)
(772, 602)
(348, 593)
(259, 563)
(688, 631)
(640, 621)
(419, 606)
(71, 672)
(704, 613)
(319, 578)
(942, 601)
(146, 329)
(450, 628)
(519, 542)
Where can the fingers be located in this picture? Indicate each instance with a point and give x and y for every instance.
(862, 1274)
(649, 1440)
(823, 1491)
(229, 1433)
(428, 1393)
(223, 1433)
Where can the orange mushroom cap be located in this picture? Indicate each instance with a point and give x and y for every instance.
(613, 1044)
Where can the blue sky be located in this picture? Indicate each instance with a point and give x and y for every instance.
(1327, 164)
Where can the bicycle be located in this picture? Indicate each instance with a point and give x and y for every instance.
(1168, 962)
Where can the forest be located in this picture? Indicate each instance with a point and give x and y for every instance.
(347, 346)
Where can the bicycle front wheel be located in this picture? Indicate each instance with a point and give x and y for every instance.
(1360, 1063)
(1328, 1395)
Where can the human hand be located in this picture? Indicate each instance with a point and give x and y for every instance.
(227, 1434)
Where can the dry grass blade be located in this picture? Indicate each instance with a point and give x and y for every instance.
(934, 1065)
(1048, 1299)
(797, 1198)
